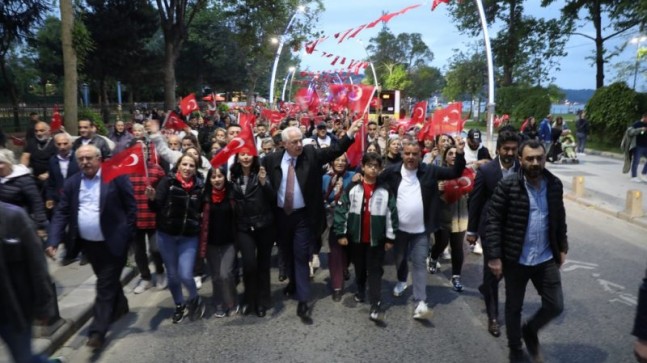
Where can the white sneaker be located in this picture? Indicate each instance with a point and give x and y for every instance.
(198, 282)
(142, 286)
(160, 281)
(446, 254)
(643, 177)
(478, 249)
(315, 261)
(636, 180)
(422, 311)
(399, 288)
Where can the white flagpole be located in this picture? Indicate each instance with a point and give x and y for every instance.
(490, 72)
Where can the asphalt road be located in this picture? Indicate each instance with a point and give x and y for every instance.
(601, 278)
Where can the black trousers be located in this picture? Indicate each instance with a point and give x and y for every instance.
(548, 283)
(489, 288)
(256, 252)
(110, 300)
(442, 238)
(368, 262)
(141, 254)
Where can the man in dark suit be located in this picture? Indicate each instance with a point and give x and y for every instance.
(487, 178)
(102, 218)
(297, 174)
(61, 166)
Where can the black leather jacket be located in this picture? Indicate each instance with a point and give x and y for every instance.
(178, 211)
(254, 205)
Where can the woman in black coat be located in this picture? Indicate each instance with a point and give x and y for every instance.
(253, 199)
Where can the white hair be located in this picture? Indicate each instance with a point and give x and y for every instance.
(285, 134)
(7, 156)
(95, 149)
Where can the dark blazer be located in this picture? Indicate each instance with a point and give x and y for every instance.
(118, 213)
(309, 173)
(25, 285)
(487, 178)
(54, 187)
(97, 141)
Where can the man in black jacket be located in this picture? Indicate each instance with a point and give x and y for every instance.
(487, 178)
(26, 288)
(526, 241)
(87, 133)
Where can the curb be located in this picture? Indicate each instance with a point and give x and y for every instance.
(610, 212)
(72, 325)
(607, 154)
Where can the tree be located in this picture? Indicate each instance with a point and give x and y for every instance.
(466, 77)
(18, 19)
(256, 22)
(523, 43)
(622, 15)
(425, 81)
(175, 18)
(390, 52)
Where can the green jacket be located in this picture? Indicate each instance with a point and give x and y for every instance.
(348, 215)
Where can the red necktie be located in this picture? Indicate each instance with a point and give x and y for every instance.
(288, 201)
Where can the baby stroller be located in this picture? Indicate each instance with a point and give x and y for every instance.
(563, 150)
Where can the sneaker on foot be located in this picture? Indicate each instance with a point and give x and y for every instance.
(478, 249)
(432, 265)
(178, 315)
(422, 311)
(446, 254)
(220, 312)
(160, 281)
(196, 308)
(315, 261)
(399, 288)
(312, 269)
(142, 286)
(360, 296)
(198, 282)
(376, 312)
(636, 180)
(456, 283)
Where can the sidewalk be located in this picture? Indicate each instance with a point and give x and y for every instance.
(604, 184)
(75, 288)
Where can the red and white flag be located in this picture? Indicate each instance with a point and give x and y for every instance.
(448, 120)
(438, 2)
(56, 122)
(243, 143)
(129, 161)
(419, 113)
(189, 104)
(174, 122)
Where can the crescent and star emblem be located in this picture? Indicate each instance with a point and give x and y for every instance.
(415, 113)
(355, 94)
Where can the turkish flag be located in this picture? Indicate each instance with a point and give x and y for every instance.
(438, 2)
(174, 122)
(243, 143)
(338, 95)
(307, 99)
(359, 97)
(456, 188)
(419, 113)
(189, 104)
(246, 120)
(274, 117)
(129, 161)
(56, 122)
(448, 120)
(355, 151)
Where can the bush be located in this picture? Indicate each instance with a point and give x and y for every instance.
(520, 102)
(95, 117)
(612, 109)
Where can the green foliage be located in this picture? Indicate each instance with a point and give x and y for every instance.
(521, 102)
(94, 116)
(397, 79)
(425, 81)
(466, 76)
(612, 108)
(223, 107)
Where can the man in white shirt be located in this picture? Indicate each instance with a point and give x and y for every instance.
(415, 186)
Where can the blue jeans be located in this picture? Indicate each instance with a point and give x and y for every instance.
(413, 247)
(19, 343)
(178, 253)
(639, 152)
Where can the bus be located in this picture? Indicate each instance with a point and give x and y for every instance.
(386, 104)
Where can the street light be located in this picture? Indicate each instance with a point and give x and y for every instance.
(291, 71)
(637, 40)
(280, 41)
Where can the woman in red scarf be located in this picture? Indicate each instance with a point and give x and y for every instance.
(176, 200)
(217, 240)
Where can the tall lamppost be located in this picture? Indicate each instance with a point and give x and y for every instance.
(280, 41)
(490, 73)
(637, 40)
(291, 72)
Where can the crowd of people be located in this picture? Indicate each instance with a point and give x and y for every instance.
(417, 199)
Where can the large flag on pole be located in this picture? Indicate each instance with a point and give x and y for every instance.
(189, 104)
(129, 161)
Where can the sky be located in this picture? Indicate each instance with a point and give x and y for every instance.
(441, 36)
